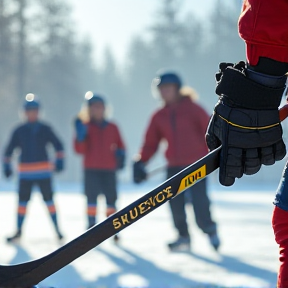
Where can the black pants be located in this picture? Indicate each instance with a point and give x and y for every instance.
(26, 185)
(201, 206)
(98, 182)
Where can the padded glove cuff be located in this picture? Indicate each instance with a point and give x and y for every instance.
(233, 83)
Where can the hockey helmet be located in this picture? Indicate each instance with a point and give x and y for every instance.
(30, 102)
(94, 98)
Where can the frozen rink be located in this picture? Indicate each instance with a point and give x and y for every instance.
(247, 257)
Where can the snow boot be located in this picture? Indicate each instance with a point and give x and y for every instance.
(181, 244)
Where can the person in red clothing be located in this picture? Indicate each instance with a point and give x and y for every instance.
(182, 123)
(246, 119)
(103, 150)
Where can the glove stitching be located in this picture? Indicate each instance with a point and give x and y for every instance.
(248, 127)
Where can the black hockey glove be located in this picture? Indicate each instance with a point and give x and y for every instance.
(246, 121)
(139, 172)
(7, 170)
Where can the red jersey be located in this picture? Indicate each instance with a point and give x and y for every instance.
(264, 27)
(100, 145)
(183, 126)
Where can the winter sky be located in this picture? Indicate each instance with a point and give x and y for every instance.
(114, 22)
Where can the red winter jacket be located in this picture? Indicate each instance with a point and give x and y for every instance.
(183, 126)
(99, 146)
(263, 25)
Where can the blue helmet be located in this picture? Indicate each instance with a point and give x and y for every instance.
(30, 102)
(168, 78)
(94, 98)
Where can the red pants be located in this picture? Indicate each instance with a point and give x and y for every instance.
(280, 227)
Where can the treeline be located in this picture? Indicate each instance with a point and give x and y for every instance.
(41, 52)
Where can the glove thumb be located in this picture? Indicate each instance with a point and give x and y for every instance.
(212, 141)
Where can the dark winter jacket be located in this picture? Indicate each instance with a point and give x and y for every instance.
(32, 140)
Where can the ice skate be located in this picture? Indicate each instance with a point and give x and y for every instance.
(116, 239)
(181, 244)
(214, 241)
(14, 238)
(59, 235)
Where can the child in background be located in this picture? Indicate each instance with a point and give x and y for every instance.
(103, 150)
(31, 138)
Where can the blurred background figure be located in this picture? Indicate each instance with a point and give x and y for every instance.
(182, 124)
(103, 150)
(69, 57)
(35, 168)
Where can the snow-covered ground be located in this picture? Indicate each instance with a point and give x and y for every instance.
(247, 258)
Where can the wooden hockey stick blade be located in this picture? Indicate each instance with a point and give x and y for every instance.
(31, 273)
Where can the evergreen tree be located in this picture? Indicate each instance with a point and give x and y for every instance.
(40, 53)
(224, 41)
(7, 81)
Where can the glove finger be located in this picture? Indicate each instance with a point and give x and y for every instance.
(234, 163)
(252, 163)
(226, 178)
(280, 150)
(267, 155)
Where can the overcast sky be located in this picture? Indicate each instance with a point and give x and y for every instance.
(114, 22)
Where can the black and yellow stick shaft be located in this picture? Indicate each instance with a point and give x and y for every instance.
(31, 273)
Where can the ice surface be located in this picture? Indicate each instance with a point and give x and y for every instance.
(247, 258)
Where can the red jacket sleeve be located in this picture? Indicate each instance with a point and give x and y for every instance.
(151, 141)
(120, 142)
(263, 25)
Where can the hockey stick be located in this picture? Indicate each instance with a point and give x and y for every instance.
(31, 273)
